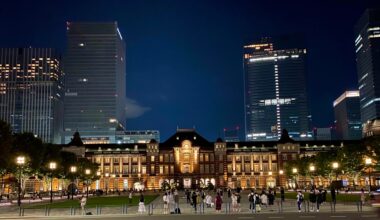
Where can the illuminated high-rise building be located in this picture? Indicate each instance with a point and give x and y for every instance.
(347, 116)
(95, 82)
(367, 44)
(31, 91)
(275, 92)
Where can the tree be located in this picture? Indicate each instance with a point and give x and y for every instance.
(6, 139)
(351, 157)
(32, 148)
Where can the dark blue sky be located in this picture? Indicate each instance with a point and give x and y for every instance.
(184, 58)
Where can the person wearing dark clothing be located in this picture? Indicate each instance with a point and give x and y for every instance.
(282, 194)
(312, 199)
(319, 197)
(271, 198)
(194, 200)
(333, 195)
(188, 199)
(324, 195)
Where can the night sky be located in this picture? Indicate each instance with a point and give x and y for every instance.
(184, 58)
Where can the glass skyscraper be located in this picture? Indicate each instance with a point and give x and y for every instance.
(347, 116)
(275, 92)
(367, 44)
(31, 91)
(95, 82)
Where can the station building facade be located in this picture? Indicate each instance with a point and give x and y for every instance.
(188, 160)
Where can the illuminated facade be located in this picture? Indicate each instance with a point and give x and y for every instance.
(95, 82)
(367, 45)
(31, 91)
(347, 116)
(188, 160)
(275, 92)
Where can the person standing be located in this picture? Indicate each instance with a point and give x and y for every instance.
(282, 192)
(83, 202)
(251, 200)
(130, 196)
(234, 202)
(165, 201)
(176, 202)
(141, 208)
(299, 200)
(194, 201)
(312, 199)
(264, 199)
(218, 202)
(362, 196)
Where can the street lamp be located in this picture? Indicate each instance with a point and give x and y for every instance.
(52, 167)
(107, 175)
(368, 162)
(87, 172)
(335, 166)
(312, 169)
(295, 171)
(280, 172)
(20, 160)
(73, 170)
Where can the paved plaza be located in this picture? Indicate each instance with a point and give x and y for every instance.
(155, 209)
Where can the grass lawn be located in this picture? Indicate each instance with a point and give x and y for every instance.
(94, 201)
(341, 197)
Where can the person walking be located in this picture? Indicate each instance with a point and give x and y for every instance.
(333, 195)
(238, 200)
(257, 203)
(166, 203)
(299, 200)
(188, 195)
(194, 201)
(218, 202)
(362, 196)
(319, 197)
(312, 199)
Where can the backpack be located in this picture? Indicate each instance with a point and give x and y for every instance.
(250, 198)
(301, 198)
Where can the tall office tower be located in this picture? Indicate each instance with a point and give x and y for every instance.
(367, 45)
(275, 92)
(95, 82)
(347, 116)
(31, 91)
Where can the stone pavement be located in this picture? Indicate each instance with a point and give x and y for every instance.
(156, 208)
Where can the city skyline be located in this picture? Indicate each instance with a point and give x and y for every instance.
(165, 90)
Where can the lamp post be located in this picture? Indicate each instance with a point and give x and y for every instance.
(87, 172)
(52, 167)
(368, 162)
(295, 171)
(312, 169)
(107, 175)
(20, 160)
(280, 173)
(335, 166)
(73, 170)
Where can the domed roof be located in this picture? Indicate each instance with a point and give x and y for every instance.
(218, 140)
(152, 141)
